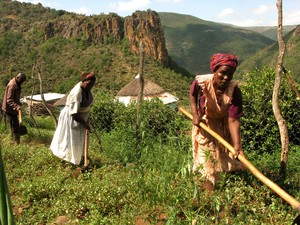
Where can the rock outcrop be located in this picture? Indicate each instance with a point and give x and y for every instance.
(146, 27)
(96, 29)
(142, 26)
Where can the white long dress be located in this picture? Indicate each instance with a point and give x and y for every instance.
(68, 139)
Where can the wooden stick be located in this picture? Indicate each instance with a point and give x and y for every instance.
(20, 117)
(86, 146)
(288, 198)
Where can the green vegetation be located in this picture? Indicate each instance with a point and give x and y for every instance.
(268, 57)
(64, 59)
(61, 58)
(261, 131)
(158, 187)
(191, 41)
(271, 32)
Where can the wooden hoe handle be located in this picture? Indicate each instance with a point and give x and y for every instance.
(86, 146)
(20, 117)
(288, 198)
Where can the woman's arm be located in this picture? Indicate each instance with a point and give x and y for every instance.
(194, 91)
(196, 117)
(235, 133)
(234, 114)
(79, 119)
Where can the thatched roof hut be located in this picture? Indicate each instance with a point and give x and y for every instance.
(62, 101)
(133, 89)
(129, 93)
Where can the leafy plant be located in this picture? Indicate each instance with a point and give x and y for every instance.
(259, 127)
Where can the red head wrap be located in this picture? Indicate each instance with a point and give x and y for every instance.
(221, 59)
(87, 76)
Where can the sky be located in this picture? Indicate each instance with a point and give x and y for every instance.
(242, 13)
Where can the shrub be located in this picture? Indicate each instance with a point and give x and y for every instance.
(158, 123)
(103, 112)
(259, 127)
(156, 118)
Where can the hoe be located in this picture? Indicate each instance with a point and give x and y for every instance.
(288, 198)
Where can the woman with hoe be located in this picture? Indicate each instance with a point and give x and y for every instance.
(69, 137)
(216, 100)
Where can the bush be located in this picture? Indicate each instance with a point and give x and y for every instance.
(103, 112)
(117, 123)
(155, 117)
(259, 127)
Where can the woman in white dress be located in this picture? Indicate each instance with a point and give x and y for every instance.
(68, 139)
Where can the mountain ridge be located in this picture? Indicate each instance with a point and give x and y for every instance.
(190, 46)
(192, 43)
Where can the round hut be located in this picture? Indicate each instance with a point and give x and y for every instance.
(130, 92)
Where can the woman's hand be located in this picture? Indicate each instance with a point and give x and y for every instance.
(235, 133)
(79, 119)
(238, 152)
(87, 125)
(196, 120)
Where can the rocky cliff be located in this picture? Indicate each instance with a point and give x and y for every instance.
(98, 29)
(146, 27)
(140, 27)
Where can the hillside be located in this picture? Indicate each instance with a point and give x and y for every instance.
(191, 41)
(271, 32)
(177, 46)
(268, 56)
(63, 44)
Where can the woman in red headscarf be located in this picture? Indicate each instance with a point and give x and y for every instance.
(68, 139)
(216, 100)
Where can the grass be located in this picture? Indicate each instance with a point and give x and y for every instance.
(157, 189)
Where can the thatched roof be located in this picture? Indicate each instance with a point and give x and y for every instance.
(133, 88)
(62, 101)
